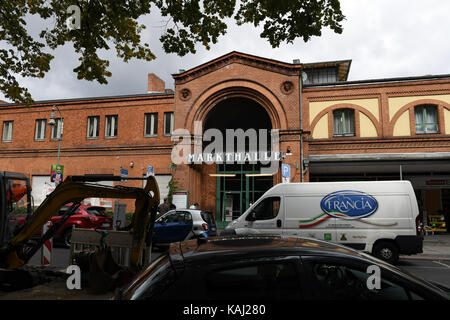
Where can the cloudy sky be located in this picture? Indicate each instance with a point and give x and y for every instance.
(384, 38)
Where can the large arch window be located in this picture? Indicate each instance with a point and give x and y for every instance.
(426, 118)
(344, 122)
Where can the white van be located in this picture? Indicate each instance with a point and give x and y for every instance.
(378, 217)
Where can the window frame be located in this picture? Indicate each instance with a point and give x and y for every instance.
(55, 131)
(171, 122)
(97, 127)
(10, 131)
(153, 121)
(43, 128)
(344, 113)
(115, 128)
(424, 124)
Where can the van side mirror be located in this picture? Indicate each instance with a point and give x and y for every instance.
(251, 216)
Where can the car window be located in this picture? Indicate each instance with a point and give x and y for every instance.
(153, 282)
(268, 280)
(267, 209)
(177, 216)
(96, 212)
(64, 210)
(336, 281)
(207, 216)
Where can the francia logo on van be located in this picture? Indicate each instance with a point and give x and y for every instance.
(349, 204)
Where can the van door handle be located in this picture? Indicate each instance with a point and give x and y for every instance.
(279, 223)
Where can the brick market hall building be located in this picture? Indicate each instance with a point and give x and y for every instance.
(329, 129)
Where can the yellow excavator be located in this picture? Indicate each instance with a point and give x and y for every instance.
(15, 195)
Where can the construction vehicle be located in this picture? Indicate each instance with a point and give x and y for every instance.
(15, 195)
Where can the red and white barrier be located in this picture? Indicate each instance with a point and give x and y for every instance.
(46, 251)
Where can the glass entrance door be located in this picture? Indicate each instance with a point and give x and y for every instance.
(237, 191)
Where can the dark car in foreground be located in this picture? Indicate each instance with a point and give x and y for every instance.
(273, 268)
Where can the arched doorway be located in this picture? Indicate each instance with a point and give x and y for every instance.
(239, 183)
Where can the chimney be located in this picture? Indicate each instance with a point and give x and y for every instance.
(155, 84)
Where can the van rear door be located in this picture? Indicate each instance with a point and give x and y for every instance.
(305, 218)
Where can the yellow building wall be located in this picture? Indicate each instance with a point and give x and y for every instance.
(447, 121)
(366, 128)
(321, 128)
(397, 103)
(402, 127)
(371, 105)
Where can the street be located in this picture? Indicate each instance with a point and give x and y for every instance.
(433, 270)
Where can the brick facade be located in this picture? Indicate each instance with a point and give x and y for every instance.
(384, 122)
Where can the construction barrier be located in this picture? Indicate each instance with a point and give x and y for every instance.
(120, 242)
(46, 251)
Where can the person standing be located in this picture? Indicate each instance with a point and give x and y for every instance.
(194, 206)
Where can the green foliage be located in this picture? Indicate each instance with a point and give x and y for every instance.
(105, 23)
(172, 189)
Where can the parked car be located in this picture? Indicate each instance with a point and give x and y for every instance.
(88, 217)
(179, 225)
(377, 217)
(263, 267)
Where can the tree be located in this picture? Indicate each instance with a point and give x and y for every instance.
(95, 25)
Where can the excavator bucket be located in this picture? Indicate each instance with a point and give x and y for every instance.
(104, 274)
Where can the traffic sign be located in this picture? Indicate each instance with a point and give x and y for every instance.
(124, 174)
(286, 170)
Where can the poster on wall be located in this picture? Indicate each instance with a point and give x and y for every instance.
(57, 173)
(180, 199)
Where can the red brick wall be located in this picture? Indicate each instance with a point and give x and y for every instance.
(81, 155)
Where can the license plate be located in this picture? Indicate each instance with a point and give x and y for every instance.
(106, 225)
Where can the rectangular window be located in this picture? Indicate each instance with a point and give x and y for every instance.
(111, 126)
(168, 123)
(321, 75)
(344, 122)
(151, 124)
(57, 129)
(41, 125)
(426, 118)
(93, 127)
(7, 131)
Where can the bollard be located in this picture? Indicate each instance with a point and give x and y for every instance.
(46, 251)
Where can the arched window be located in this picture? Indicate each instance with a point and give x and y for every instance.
(426, 117)
(344, 122)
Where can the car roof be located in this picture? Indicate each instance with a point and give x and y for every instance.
(222, 247)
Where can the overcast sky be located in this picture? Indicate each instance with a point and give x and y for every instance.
(384, 38)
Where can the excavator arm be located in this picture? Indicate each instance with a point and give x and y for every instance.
(75, 189)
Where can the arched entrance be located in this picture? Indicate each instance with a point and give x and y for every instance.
(239, 183)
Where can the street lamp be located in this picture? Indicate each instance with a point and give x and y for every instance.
(52, 123)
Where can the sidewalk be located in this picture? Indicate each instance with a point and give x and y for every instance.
(434, 247)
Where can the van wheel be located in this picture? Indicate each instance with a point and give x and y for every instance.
(386, 251)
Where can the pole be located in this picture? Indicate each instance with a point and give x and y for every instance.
(46, 251)
(302, 173)
(59, 133)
